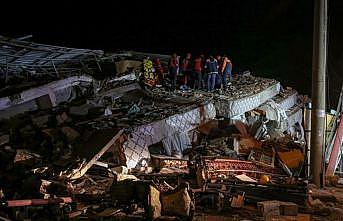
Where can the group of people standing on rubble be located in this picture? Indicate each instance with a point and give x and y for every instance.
(190, 73)
(200, 73)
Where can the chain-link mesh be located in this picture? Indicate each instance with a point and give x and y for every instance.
(289, 102)
(136, 147)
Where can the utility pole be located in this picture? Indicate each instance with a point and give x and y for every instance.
(318, 90)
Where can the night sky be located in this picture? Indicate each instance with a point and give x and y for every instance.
(270, 37)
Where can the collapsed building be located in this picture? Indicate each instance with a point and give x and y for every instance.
(80, 130)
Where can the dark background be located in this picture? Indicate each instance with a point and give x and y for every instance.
(273, 38)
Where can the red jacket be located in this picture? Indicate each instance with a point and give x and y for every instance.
(157, 65)
(185, 64)
(173, 63)
(197, 65)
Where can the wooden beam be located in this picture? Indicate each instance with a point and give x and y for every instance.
(79, 173)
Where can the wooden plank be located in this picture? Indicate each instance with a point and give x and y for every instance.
(79, 173)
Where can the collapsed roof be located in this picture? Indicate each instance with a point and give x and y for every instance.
(19, 57)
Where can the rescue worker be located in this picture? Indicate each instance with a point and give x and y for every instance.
(186, 70)
(203, 70)
(212, 70)
(220, 62)
(149, 72)
(159, 71)
(173, 69)
(226, 70)
(197, 72)
(219, 75)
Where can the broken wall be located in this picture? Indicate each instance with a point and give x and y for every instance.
(136, 147)
(57, 92)
(228, 107)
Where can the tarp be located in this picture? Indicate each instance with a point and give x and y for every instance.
(274, 112)
(295, 115)
(176, 144)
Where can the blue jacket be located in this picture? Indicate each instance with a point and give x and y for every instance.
(212, 66)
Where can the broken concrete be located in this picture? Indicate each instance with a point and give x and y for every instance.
(96, 147)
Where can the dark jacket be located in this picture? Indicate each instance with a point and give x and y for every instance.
(212, 66)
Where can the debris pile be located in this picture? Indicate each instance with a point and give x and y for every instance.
(116, 148)
(81, 150)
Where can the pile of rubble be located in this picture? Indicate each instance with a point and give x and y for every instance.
(78, 158)
(81, 148)
(76, 150)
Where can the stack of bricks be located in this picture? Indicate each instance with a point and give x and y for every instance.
(277, 210)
